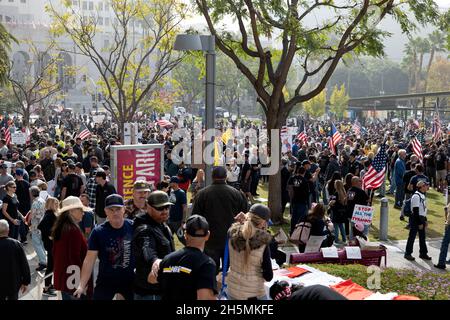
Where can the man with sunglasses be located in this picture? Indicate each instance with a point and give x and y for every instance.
(152, 241)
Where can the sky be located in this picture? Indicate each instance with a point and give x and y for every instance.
(393, 46)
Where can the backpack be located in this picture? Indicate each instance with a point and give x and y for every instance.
(301, 233)
(407, 210)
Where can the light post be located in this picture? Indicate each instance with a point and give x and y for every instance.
(205, 43)
(96, 91)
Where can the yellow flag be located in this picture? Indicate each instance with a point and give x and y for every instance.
(226, 136)
(216, 153)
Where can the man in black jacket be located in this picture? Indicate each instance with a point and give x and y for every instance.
(152, 241)
(14, 268)
(219, 203)
(104, 189)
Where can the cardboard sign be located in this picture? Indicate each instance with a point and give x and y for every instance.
(363, 214)
(314, 244)
(330, 252)
(353, 252)
(19, 137)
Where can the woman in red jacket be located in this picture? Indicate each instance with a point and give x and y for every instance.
(69, 247)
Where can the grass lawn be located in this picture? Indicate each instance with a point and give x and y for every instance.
(397, 231)
(425, 285)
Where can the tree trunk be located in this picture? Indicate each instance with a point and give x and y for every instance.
(428, 69)
(273, 122)
(26, 117)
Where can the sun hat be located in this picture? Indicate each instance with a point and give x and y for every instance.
(70, 203)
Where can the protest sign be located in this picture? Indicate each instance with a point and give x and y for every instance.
(19, 137)
(363, 214)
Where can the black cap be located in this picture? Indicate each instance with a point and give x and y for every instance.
(197, 226)
(261, 211)
(114, 200)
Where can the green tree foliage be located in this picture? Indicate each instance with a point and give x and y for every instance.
(6, 39)
(134, 66)
(339, 101)
(317, 48)
(317, 105)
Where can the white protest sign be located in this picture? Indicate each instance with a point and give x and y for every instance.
(314, 243)
(286, 143)
(353, 252)
(127, 133)
(19, 137)
(226, 114)
(395, 120)
(233, 117)
(363, 214)
(330, 252)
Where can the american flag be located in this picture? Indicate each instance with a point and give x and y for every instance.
(437, 131)
(335, 138)
(284, 130)
(7, 135)
(84, 132)
(417, 145)
(374, 177)
(356, 128)
(302, 135)
(164, 123)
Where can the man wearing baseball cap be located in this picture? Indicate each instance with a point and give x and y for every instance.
(152, 241)
(137, 204)
(189, 274)
(111, 243)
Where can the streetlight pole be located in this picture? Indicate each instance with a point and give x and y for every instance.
(205, 43)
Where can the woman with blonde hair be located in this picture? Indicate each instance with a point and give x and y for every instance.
(198, 183)
(249, 253)
(45, 226)
(69, 245)
(338, 208)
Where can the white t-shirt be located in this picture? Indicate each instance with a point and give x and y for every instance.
(418, 200)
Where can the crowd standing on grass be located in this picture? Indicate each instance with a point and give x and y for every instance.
(57, 191)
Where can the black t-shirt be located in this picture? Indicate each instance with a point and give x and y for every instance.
(407, 178)
(355, 168)
(300, 187)
(355, 196)
(430, 160)
(245, 168)
(100, 195)
(440, 161)
(73, 184)
(185, 271)
(415, 179)
(315, 292)
(23, 196)
(12, 203)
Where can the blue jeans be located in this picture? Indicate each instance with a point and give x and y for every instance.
(38, 246)
(339, 227)
(400, 195)
(393, 186)
(147, 297)
(444, 246)
(298, 212)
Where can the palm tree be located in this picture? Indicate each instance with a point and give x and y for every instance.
(5, 46)
(437, 44)
(410, 62)
(423, 47)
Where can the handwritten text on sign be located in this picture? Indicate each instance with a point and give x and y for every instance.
(363, 214)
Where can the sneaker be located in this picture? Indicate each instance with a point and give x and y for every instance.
(425, 257)
(397, 207)
(409, 257)
(49, 292)
(439, 266)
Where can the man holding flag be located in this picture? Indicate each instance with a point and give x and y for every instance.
(334, 139)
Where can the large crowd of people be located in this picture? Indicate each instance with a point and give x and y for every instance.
(57, 191)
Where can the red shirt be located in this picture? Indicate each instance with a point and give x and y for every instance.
(69, 250)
